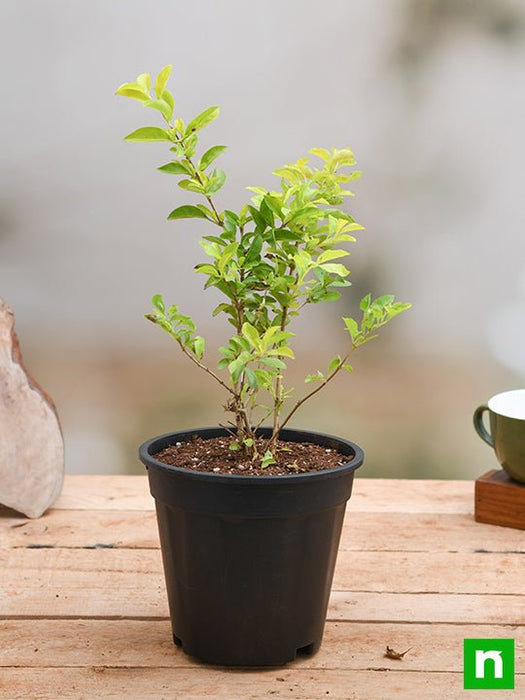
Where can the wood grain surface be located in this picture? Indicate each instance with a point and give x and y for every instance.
(83, 610)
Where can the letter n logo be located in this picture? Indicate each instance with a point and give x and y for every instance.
(488, 663)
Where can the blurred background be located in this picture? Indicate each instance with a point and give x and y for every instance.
(430, 95)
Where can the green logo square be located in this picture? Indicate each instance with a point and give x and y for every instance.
(488, 663)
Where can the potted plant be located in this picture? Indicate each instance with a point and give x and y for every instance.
(249, 514)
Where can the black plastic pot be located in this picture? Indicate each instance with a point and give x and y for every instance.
(249, 560)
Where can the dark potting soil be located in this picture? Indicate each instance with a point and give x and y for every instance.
(214, 455)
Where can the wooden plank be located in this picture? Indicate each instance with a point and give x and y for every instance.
(105, 492)
(434, 572)
(135, 529)
(426, 532)
(112, 584)
(412, 496)
(361, 531)
(134, 643)
(134, 569)
(198, 684)
(427, 607)
(119, 492)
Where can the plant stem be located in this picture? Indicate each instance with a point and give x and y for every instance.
(180, 140)
(278, 385)
(315, 391)
(206, 369)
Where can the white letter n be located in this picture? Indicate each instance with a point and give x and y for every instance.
(482, 656)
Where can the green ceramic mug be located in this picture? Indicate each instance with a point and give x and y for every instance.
(507, 430)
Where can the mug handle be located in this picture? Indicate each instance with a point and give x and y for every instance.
(480, 427)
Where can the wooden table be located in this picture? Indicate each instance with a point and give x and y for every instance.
(83, 611)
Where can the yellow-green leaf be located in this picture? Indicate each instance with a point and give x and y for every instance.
(187, 211)
(251, 335)
(315, 377)
(210, 156)
(144, 81)
(332, 255)
(174, 168)
(132, 90)
(203, 119)
(148, 133)
(321, 152)
(161, 106)
(162, 79)
(336, 269)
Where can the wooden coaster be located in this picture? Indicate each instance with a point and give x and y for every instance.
(499, 500)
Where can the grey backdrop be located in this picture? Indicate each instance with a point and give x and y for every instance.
(429, 94)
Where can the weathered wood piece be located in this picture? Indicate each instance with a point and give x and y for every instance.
(500, 500)
(31, 444)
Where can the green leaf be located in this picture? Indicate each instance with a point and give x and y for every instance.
(330, 296)
(226, 308)
(274, 335)
(168, 99)
(399, 307)
(352, 327)
(288, 174)
(191, 185)
(190, 144)
(251, 335)
(264, 378)
(251, 377)
(339, 214)
(303, 261)
(236, 368)
(227, 352)
(273, 362)
(227, 255)
(160, 106)
(285, 235)
(175, 168)
(186, 211)
(365, 302)
(284, 351)
(132, 90)
(198, 346)
(315, 377)
(321, 152)
(207, 270)
(308, 212)
(217, 180)
(144, 81)
(336, 269)
(234, 446)
(274, 204)
(267, 213)
(331, 255)
(148, 133)
(162, 79)
(207, 212)
(334, 364)
(383, 300)
(254, 251)
(158, 302)
(210, 156)
(267, 459)
(203, 119)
